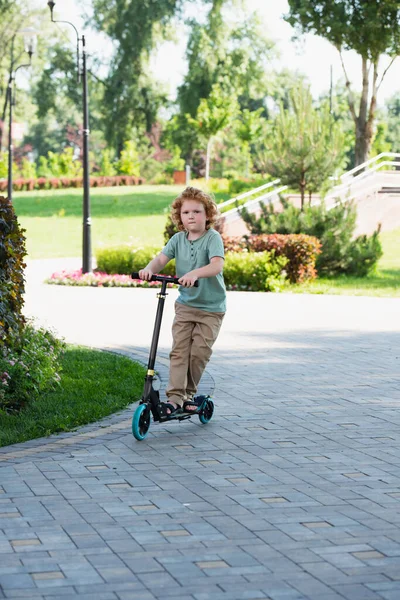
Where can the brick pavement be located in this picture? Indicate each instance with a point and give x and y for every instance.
(291, 492)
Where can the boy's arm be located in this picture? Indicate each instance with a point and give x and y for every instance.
(214, 267)
(155, 266)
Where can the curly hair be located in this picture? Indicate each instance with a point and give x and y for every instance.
(192, 193)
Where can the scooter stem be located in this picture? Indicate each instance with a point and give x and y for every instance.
(157, 325)
(154, 342)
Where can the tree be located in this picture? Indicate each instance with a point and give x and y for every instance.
(369, 27)
(131, 98)
(213, 115)
(249, 126)
(15, 14)
(304, 146)
(236, 49)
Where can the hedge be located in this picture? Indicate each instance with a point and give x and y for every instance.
(43, 183)
(300, 250)
(12, 282)
(253, 271)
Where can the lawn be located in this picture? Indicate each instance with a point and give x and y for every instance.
(93, 385)
(53, 218)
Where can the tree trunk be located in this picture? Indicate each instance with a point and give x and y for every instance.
(363, 143)
(364, 121)
(302, 193)
(208, 159)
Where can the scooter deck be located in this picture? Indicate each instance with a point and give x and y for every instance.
(181, 415)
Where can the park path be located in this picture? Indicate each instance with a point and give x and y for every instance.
(291, 492)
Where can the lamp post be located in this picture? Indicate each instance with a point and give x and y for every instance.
(30, 45)
(86, 246)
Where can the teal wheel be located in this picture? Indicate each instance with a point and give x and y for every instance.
(207, 411)
(141, 422)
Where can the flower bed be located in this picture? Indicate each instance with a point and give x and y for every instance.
(98, 279)
(54, 183)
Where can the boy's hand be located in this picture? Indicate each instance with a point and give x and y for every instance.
(146, 274)
(188, 280)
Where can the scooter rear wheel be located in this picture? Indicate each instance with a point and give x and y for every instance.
(207, 411)
(141, 422)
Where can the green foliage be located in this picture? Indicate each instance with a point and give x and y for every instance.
(12, 282)
(107, 165)
(254, 271)
(3, 165)
(364, 254)
(305, 146)
(249, 126)
(250, 271)
(170, 229)
(131, 99)
(29, 368)
(43, 169)
(235, 49)
(370, 28)
(214, 114)
(60, 164)
(129, 163)
(27, 169)
(125, 260)
(340, 253)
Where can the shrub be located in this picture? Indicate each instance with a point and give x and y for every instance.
(364, 254)
(254, 271)
(213, 185)
(29, 368)
(12, 282)
(170, 229)
(300, 250)
(125, 259)
(242, 271)
(237, 186)
(340, 253)
(129, 163)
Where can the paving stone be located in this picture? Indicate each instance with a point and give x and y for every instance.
(289, 493)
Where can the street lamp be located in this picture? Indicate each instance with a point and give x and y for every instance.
(86, 253)
(30, 46)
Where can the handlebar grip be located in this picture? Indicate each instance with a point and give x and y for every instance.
(161, 278)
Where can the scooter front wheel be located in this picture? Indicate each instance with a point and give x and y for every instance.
(207, 411)
(141, 422)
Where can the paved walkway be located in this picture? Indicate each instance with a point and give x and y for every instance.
(291, 492)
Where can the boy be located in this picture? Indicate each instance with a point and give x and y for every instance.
(199, 254)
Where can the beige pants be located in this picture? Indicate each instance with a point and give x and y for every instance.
(194, 332)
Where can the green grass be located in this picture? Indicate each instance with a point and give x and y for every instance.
(93, 385)
(53, 218)
(385, 282)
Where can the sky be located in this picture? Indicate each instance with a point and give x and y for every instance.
(314, 56)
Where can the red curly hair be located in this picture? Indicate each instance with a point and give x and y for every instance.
(192, 193)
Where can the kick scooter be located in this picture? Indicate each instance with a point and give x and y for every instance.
(150, 402)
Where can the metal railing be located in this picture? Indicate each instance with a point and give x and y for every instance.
(247, 194)
(362, 184)
(234, 213)
(368, 181)
(370, 162)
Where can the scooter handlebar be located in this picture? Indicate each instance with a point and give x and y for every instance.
(167, 278)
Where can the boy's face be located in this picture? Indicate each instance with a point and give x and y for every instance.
(193, 216)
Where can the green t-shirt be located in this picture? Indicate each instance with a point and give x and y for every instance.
(210, 295)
